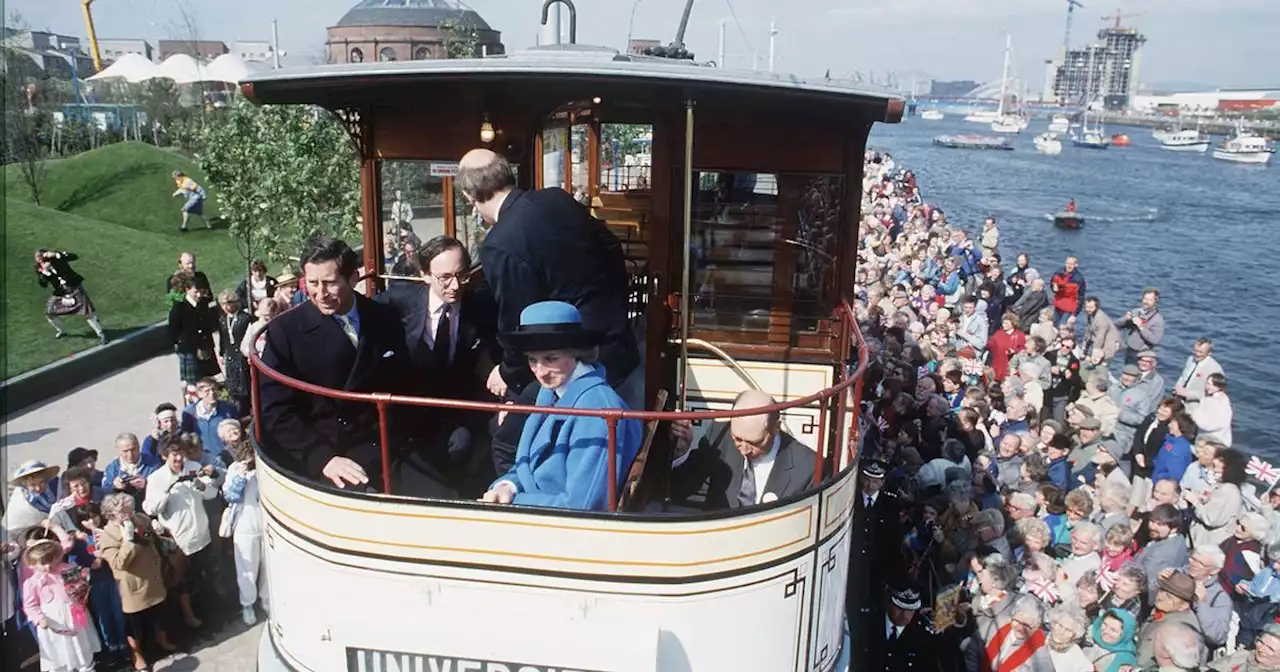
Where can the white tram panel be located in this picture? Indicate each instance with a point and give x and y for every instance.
(339, 604)
(713, 385)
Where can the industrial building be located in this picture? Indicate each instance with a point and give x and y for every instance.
(1223, 102)
(1106, 71)
(113, 48)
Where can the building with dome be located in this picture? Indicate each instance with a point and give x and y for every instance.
(403, 30)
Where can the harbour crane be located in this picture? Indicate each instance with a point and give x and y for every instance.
(1066, 38)
(93, 35)
(1117, 16)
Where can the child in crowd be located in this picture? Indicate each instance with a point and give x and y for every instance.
(1117, 551)
(54, 599)
(244, 518)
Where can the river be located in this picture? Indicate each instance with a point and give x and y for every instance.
(1200, 230)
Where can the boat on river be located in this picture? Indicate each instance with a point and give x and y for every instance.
(1060, 124)
(1184, 141)
(1120, 140)
(650, 583)
(932, 115)
(1090, 139)
(1068, 219)
(973, 141)
(1245, 147)
(1048, 143)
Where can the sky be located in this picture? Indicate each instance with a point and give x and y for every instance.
(1213, 42)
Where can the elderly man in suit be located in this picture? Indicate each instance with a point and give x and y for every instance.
(339, 340)
(746, 461)
(449, 336)
(545, 246)
(1199, 366)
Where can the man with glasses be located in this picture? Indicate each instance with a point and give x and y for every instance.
(1264, 658)
(449, 338)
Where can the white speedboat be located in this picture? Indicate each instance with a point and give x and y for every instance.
(1245, 147)
(1048, 143)
(1184, 141)
(933, 115)
(1059, 124)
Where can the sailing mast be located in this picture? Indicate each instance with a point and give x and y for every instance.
(1004, 74)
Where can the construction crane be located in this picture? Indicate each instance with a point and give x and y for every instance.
(93, 35)
(1066, 39)
(1117, 16)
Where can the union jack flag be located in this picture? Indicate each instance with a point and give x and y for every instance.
(1262, 470)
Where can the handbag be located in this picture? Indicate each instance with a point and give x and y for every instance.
(227, 526)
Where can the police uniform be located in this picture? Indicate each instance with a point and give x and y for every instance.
(877, 537)
(898, 648)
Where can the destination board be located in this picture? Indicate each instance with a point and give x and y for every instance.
(363, 660)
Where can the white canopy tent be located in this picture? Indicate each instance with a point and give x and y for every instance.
(132, 68)
(226, 68)
(182, 69)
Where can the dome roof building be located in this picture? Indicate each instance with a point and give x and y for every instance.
(402, 30)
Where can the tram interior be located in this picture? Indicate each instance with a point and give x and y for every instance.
(773, 216)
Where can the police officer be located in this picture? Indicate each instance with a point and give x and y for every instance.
(899, 641)
(874, 551)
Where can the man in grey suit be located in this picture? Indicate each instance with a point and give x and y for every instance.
(1200, 365)
(746, 461)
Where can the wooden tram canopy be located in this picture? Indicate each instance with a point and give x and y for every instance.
(775, 176)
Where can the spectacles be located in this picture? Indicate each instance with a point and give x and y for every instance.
(449, 278)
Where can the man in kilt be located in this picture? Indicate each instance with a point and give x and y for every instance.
(53, 269)
(192, 324)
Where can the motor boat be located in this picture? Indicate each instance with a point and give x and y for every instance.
(1245, 147)
(1048, 143)
(1068, 220)
(932, 115)
(1060, 124)
(1120, 140)
(1183, 141)
(970, 141)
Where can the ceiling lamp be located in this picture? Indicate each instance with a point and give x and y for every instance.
(487, 134)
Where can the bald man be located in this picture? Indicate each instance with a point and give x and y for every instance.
(743, 462)
(545, 246)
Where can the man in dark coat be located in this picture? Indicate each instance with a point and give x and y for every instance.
(874, 554)
(449, 340)
(339, 340)
(743, 462)
(545, 246)
(898, 640)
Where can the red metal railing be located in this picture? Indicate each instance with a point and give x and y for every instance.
(848, 386)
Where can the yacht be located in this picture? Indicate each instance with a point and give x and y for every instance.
(1048, 143)
(1005, 122)
(982, 116)
(1245, 147)
(933, 115)
(1060, 124)
(1183, 141)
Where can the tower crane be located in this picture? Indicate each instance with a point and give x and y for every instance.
(1117, 16)
(93, 35)
(1066, 38)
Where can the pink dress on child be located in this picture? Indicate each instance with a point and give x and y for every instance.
(70, 641)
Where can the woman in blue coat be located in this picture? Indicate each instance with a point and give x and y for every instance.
(561, 460)
(1176, 454)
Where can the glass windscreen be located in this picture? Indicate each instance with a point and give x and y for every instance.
(412, 211)
(626, 157)
(763, 250)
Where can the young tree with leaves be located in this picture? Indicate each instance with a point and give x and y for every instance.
(281, 173)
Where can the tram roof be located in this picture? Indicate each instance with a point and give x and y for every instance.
(343, 84)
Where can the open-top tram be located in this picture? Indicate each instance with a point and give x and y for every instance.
(736, 196)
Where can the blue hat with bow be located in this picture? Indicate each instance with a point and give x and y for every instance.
(549, 325)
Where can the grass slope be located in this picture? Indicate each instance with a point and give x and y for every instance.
(111, 206)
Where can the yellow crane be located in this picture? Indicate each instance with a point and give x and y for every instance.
(93, 35)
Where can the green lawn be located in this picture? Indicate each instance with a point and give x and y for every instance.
(113, 207)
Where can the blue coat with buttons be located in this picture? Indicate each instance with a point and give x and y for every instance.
(561, 460)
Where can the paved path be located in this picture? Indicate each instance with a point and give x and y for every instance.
(91, 416)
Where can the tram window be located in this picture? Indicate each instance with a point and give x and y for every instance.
(747, 228)
(625, 156)
(412, 212)
(555, 151)
(578, 160)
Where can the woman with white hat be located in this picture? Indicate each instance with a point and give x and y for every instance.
(561, 461)
(31, 503)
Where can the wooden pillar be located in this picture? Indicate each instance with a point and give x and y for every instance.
(450, 222)
(593, 158)
(371, 215)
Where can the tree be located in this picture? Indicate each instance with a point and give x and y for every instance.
(25, 125)
(281, 173)
(461, 37)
